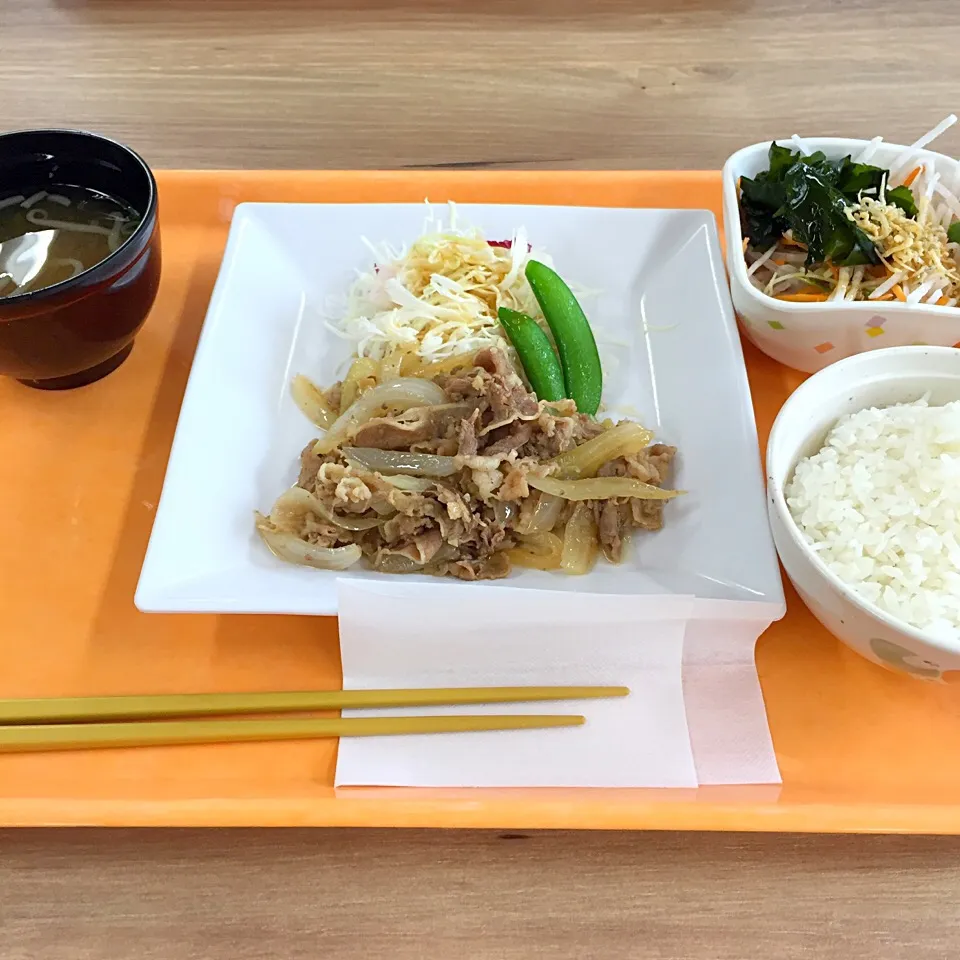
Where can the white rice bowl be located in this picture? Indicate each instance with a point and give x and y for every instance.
(880, 506)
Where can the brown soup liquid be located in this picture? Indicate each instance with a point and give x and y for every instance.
(48, 236)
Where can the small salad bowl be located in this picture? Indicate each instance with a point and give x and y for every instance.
(810, 336)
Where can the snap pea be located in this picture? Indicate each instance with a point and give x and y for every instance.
(579, 358)
(536, 354)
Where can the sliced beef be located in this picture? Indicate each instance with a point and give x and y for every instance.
(502, 394)
(494, 567)
(406, 527)
(423, 547)
(651, 465)
(416, 427)
(467, 445)
(463, 525)
(616, 517)
(647, 514)
(610, 528)
(333, 396)
(514, 486)
(310, 463)
(509, 439)
(495, 362)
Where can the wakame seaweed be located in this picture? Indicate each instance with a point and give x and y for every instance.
(809, 196)
(903, 198)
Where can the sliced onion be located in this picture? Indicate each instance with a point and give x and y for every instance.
(391, 366)
(399, 394)
(357, 522)
(309, 398)
(297, 501)
(349, 392)
(440, 367)
(292, 504)
(580, 544)
(409, 484)
(398, 461)
(397, 563)
(543, 551)
(361, 375)
(289, 547)
(545, 514)
(624, 439)
(601, 488)
(363, 368)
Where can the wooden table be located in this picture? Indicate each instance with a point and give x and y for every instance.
(574, 83)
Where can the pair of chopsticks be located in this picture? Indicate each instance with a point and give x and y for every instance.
(82, 723)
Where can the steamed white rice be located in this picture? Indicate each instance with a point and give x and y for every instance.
(880, 504)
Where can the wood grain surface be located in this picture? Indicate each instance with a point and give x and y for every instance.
(302, 895)
(389, 83)
(421, 83)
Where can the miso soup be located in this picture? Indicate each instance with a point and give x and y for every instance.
(48, 236)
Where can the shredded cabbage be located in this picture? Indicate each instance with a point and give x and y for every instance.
(440, 296)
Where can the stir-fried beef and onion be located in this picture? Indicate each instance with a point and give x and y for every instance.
(463, 472)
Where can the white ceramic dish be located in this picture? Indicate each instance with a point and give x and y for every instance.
(810, 336)
(674, 362)
(879, 379)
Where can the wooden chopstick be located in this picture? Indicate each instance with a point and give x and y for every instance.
(162, 706)
(87, 736)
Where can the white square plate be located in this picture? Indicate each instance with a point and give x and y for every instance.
(672, 356)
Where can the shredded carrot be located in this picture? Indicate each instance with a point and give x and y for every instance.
(898, 293)
(779, 261)
(878, 271)
(746, 243)
(802, 297)
(887, 296)
(793, 243)
(912, 175)
(943, 301)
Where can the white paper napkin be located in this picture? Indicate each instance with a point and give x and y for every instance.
(441, 635)
(726, 716)
(695, 714)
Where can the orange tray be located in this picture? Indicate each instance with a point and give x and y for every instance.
(860, 749)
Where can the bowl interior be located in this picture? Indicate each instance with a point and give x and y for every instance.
(33, 159)
(751, 160)
(881, 378)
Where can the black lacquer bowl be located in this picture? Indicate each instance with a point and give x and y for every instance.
(77, 331)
